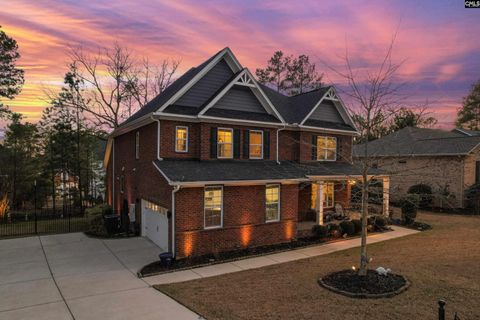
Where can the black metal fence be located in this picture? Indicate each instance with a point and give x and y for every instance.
(31, 222)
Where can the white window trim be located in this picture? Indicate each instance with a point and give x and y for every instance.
(137, 145)
(186, 139)
(249, 144)
(336, 147)
(279, 202)
(218, 149)
(204, 209)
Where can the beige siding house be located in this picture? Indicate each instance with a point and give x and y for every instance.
(448, 161)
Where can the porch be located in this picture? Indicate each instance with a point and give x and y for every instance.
(327, 200)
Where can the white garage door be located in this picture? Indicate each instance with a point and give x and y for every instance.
(155, 224)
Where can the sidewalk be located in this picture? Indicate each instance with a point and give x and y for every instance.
(274, 258)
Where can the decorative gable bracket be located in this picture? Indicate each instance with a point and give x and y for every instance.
(331, 95)
(245, 80)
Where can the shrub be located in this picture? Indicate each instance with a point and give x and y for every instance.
(97, 226)
(472, 197)
(357, 223)
(347, 227)
(409, 206)
(380, 221)
(101, 209)
(424, 192)
(334, 230)
(320, 231)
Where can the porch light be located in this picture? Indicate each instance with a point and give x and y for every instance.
(352, 182)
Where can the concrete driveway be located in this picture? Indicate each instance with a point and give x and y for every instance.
(71, 276)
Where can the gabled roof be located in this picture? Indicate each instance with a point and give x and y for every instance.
(295, 110)
(419, 142)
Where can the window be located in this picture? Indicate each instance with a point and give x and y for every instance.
(137, 145)
(225, 143)
(213, 205)
(272, 202)
(328, 195)
(181, 139)
(328, 191)
(326, 148)
(256, 144)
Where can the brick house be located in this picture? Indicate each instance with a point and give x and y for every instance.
(218, 161)
(447, 161)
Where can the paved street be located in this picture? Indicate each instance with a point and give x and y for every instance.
(71, 276)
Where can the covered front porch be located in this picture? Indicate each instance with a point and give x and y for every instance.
(328, 199)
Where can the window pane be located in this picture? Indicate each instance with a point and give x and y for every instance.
(321, 142)
(224, 136)
(255, 151)
(255, 137)
(225, 150)
(330, 154)
(331, 143)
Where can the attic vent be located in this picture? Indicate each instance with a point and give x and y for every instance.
(402, 161)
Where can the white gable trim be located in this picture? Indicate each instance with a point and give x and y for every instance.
(332, 95)
(245, 78)
(225, 53)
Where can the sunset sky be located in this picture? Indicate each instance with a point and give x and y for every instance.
(438, 39)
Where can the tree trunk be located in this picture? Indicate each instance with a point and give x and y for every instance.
(363, 252)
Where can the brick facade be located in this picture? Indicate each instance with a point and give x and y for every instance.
(244, 206)
(243, 220)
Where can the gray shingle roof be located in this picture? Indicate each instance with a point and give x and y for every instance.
(293, 109)
(237, 170)
(419, 141)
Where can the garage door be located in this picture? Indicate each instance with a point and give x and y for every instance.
(155, 224)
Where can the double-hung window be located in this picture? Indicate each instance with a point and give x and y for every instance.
(181, 139)
(272, 202)
(225, 143)
(326, 148)
(256, 144)
(213, 207)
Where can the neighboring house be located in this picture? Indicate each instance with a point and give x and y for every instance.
(219, 162)
(448, 161)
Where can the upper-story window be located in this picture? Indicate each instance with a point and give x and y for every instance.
(326, 148)
(137, 145)
(224, 143)
(181, 139)
(256, 144)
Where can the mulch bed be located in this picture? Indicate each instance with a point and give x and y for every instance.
(122, 235)
(417, 225)
(156, 268)
(373, 285)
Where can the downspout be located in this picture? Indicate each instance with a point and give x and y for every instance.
(278, 136)
(113, 174)
(158, 137)
(176, 188)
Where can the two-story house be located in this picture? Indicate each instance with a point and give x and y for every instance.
(218, 162)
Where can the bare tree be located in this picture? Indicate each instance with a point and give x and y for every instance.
(117, 84)
(375, 98)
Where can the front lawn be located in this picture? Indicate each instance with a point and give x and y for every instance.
(440, 263)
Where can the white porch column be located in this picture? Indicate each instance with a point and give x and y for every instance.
(386, 195)
(319, 204)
